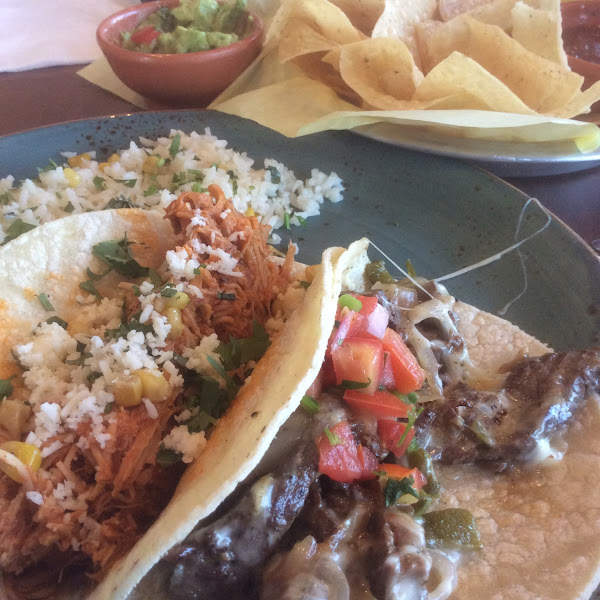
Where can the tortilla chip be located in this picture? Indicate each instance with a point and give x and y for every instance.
(381, 71)
(452, 8)
(540, 31)
(462, 82)
(311, 26)
(497, 12)
(399, 20)
(363, 14)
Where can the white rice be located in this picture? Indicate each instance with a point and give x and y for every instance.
(203, 159)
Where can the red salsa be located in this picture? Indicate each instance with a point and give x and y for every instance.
(581, 30)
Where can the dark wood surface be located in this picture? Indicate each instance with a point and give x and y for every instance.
(55, 95)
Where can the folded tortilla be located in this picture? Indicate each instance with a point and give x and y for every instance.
(540, 525)
(55, 257)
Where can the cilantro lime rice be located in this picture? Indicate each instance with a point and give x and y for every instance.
(152, 173)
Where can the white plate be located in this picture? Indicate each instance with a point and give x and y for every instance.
(506, 159)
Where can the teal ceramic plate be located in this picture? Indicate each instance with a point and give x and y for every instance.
(439, 212)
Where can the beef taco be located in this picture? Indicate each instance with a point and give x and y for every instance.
(441, 452)
(126, 339)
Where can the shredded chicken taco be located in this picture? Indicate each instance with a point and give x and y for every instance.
(438, 452)
(126, 339)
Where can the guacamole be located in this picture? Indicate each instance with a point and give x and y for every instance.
(192, 26)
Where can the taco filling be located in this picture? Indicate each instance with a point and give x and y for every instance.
(109, 403)
(346, 502)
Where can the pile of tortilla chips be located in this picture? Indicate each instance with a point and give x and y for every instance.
(335, 64)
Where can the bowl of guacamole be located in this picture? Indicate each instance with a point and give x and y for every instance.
(193, 26)
(181, 53)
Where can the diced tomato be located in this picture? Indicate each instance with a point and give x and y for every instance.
(361, 360)
(387, 376)
(379, 403)
(400, 472)
(347, 461)
(145, 35)
(350, 324)
(368, 304)
(391, 432)
(408, 374)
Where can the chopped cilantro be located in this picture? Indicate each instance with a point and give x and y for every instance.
(58, 321)
(174, 147)
(92, 377)
(395, 489)
(99, 183)
(198, 269)
(304, 284)
(309, 404)
(151, 191)
(168, 292)
(197, 187)
(120, 201)
(96, 276)
(354, 385)
(166, 457)
(49, 167)
(200, 422)
(178, 180)
(69, 208)
(275, 174)
(43, 298)
(237, 352)
(286, 220)
(196, 174)
(5, 198)
(117, 255)
(15, 229)
(128, 182)
(155, 278)
(109, 407)
(6, 388)
(225, 296)
(125, 328)
(301, 220)
(413, 415)
(89, 287)
(79, 362)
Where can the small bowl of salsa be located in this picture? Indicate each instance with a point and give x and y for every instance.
(581, 37)
(181, 54)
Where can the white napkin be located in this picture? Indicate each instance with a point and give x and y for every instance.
(46, 33)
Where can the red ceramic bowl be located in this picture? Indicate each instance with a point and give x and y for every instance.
(581, 37)
(193, 79)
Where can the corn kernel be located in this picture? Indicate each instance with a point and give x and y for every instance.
(128, 390)
(13, 416)
(103, 165)
(28, 454)
(151, 165)
(250, 212)
(174, 320)
(179, 300)
(113, 158)
(79, 160)
(72, 177)
(154, 385)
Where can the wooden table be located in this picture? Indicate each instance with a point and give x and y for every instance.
(54, 95)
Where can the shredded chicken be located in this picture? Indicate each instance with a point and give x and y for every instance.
(98, 501)
(229, 303)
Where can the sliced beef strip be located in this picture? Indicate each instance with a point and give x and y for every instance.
(219, 559)
(539, 396)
